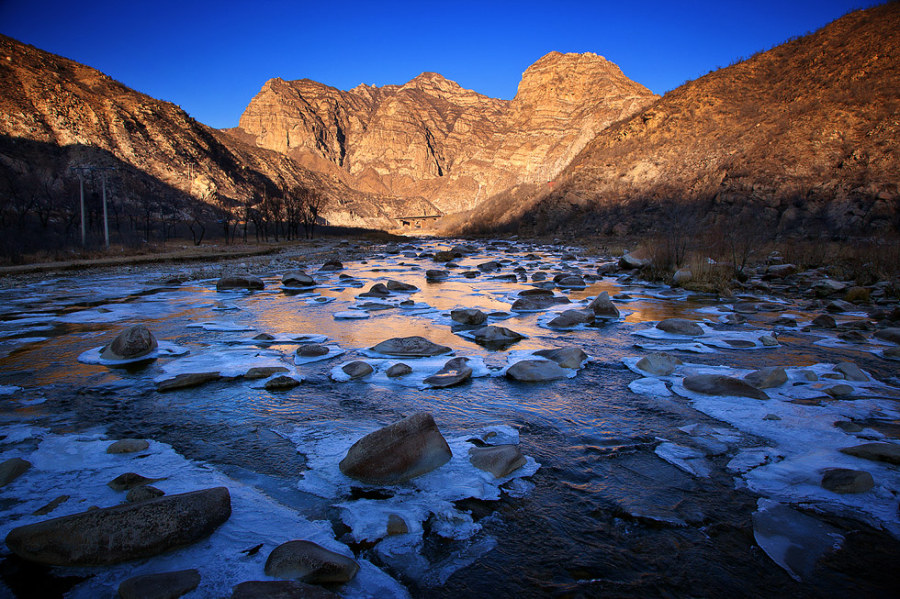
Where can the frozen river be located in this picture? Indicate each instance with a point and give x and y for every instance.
(635, 483)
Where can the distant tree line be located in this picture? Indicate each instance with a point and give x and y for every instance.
(40, 212)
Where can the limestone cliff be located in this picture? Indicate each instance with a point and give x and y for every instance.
(434, 139)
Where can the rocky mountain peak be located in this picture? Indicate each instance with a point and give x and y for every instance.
(572, 78)
(434, 139)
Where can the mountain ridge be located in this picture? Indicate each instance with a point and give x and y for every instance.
(431, 137)
(798, 137)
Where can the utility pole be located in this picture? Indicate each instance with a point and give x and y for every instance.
(91, 168)
(105, 219)
(81, 189)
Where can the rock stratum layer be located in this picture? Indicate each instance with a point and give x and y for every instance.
(797, 139)
(433, 139)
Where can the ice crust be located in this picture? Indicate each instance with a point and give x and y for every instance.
(164, 349)
(78, 466)
(804, 441)
(427, 497)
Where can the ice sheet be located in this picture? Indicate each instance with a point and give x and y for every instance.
(78, 466)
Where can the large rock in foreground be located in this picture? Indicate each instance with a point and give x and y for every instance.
(130, 344)
(411, 347)
(717, 384)
(124, 532)
(397, 452)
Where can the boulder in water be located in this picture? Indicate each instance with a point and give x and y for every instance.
(122, 533)
(331, 266)
(658, 364)
(312, 350)
(717, 384)
(468, 316)
(536, 371)
(499, 460)
(397, 452)
(376, 290)
(766, 378)
(187, 379)
(400, 286)
(679, 326)
(162, 585)
(571, 318)
(281, 383)
(239, 282)
(128, 446)
(629, 262)
(890, 334)
(130, 344)
(410, 347)
(398, 369)
(357, 369)
(496, 337)
(877, 452)
(12, 469)
(308, 562)
(602, 307)
(567, 357)
(454, 372)
(845, 480)
(297, 279)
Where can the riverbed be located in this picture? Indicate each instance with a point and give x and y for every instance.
(634, 484)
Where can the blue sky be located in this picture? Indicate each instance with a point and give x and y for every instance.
(212, 58)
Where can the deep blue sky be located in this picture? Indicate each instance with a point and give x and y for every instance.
(213, 57)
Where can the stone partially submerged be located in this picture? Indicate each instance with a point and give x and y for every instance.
(679, 326)
(603, 308)
(454, 372)
(658, 364)
(496, 337)
(299, 279)
(122, 533)
(163, 584)
(397, 452)
(311, 563)
(717, 384)
(499, 460)
(132, 343)
(410, 347)
(536, 371)
(567, 357)
(239, 282)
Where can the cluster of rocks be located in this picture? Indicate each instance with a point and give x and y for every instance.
(151, 523)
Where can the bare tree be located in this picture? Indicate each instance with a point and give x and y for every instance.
(312, 204)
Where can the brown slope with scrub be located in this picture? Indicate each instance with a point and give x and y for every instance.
(800, 139)
(87, 117)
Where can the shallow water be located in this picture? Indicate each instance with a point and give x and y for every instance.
(604, 515)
